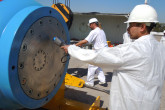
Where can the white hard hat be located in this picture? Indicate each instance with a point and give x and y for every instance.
(92, 20)
(164, 31)
(143, 14)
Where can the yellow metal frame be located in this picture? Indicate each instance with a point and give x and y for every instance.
(60, 103)
(57, 102)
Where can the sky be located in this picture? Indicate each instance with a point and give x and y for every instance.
(111, 6)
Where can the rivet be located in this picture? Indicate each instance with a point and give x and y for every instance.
(31, 31)
(23, 81)
(30, 91)
(41, 22)
(21, 65)
(24, 47)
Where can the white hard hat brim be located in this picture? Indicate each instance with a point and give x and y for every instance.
(141, 22)
(91, 22)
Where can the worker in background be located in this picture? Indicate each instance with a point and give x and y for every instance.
(138, 67)
(98, 38)
(162, 40)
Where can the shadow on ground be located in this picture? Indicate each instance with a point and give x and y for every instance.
(78, 72)
(80, 96)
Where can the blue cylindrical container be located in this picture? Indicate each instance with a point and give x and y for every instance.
(31, 70)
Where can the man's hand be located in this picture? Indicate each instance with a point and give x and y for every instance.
(65, 47)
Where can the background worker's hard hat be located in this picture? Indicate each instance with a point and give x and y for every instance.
(92, 20)
(164, 31)
(143, 14)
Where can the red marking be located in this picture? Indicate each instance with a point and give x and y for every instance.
(0, 0)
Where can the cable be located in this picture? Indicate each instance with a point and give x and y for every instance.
(66, 55)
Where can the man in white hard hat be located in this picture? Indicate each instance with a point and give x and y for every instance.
(138, 67)
(162, 40)
(98, 38)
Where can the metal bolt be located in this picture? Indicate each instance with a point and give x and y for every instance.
(31, 31)
(23, 81)
(39, 94)
(21, 65)
(30, 91)
(24, 47)
(41, 22)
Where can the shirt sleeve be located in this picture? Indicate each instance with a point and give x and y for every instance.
(107, 58)
(91, 37)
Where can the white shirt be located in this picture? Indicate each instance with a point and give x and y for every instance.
(139, 71)
(98, 38)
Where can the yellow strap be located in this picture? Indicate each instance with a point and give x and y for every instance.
(56, 8)
(65, 8)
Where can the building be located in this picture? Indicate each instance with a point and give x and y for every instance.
(112, 24)
(157, 35)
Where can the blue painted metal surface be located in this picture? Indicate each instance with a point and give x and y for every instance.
(16, 18)
(9, 8)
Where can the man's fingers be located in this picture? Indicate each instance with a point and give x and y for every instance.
(65, 47)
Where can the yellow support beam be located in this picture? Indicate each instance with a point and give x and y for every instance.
(58, 102)
(73, 81)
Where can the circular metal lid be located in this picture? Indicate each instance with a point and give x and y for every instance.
(39, 64)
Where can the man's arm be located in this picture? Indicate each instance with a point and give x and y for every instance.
(107, 58)
(65, 47)
(81, 43)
